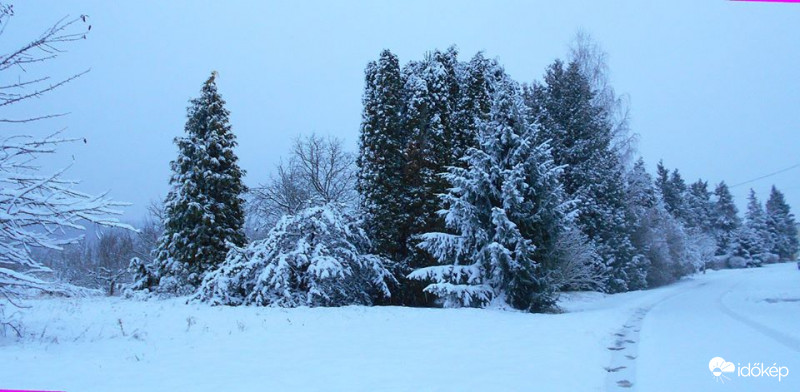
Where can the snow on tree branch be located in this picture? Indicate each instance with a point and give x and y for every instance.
(47, 46)
(40, 211)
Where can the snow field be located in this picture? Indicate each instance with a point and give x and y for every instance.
(112, 344)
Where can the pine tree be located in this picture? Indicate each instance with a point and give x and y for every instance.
(745, 249)
(782, 226)
(641, 191)
(204, 208)
(673, 190)
(670, 248)
(644, 203)
(756, 222)
(725, 220)
(678, 186)
(662, 180)
(699, 207)
(502, 208)
(580, 137)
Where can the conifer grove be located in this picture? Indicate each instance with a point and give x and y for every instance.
(468, 189)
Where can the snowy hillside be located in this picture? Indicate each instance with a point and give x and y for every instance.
(101, 344)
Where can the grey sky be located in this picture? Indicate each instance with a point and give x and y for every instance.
(713, 84)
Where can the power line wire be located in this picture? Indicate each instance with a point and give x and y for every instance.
(766, 175)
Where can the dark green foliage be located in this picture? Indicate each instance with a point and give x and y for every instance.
(673, 191)
(416, 124)
(725, 220)
(506, 210)
(381, 158)
(474, 105)
(204, 208)
(580, 137)
(782, 226)
(431, 96)
(699, 207)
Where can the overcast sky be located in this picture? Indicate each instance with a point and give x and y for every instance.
(714, 85)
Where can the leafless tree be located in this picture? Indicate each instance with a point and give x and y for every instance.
(578, 267)
(317, 171)
(326, 167)
(286, 193)
(150, 229)
(38, 210)
(16, 64)
(593, 62)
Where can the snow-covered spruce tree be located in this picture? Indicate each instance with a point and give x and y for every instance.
(653, 226)
(698, 208)
(673, 191)
(429, 118)
(648, 213)
(580, 137)
(501, 207)
(690, 232)
(318, 257)
(745, 249)
(204, 212)
(760, 245)
(725, 220)
(782, 226)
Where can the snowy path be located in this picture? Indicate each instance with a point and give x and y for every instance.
(745, 316)
(656, 340)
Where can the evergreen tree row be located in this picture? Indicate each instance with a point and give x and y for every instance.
(471, 183)
(474, 190)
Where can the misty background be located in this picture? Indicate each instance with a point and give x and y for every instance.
(713, 85)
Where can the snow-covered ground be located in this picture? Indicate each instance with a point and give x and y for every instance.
(102, 344)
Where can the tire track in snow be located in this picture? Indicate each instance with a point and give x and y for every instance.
(775, 335)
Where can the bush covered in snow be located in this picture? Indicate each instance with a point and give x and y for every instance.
(317, 257)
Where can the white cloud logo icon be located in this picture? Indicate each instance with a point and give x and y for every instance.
(718, 365)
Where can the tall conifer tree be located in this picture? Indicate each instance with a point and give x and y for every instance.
(782, 226)
(756, 222)
(381, 158)
(699, 207)
(204, 211)
(725, 219)
(580, 137)
(505, 210)
(430, 116)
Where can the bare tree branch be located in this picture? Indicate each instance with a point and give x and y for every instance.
(39, 211)
(318, 171)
